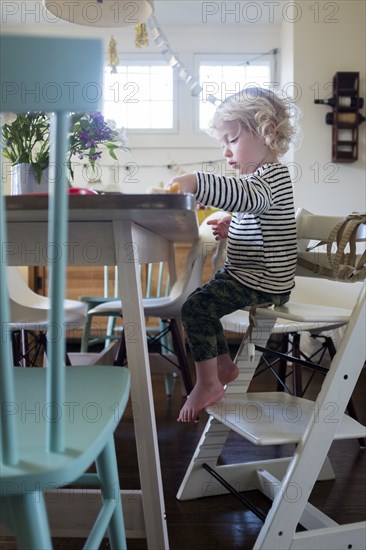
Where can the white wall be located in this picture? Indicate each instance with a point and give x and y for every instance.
(325, 42)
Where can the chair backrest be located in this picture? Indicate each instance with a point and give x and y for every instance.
(21, 293)
(327, 246)
(59, 76)
(157, 280)
(106, 282)
(191, 277)
(219, 255)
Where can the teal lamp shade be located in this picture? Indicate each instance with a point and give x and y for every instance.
(101, 13)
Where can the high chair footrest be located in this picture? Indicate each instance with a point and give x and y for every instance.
(273, 418)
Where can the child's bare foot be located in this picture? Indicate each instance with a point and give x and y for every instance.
(199, 399)
(227, 371)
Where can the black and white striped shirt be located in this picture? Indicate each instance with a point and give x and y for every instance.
(261, 245)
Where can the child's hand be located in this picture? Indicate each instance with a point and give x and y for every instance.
(184, 184)
(220, 227)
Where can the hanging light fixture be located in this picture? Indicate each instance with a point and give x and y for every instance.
(101, 13)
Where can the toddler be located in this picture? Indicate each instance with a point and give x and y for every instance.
(254, 128)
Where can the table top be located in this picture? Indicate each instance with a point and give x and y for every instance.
(170, 216)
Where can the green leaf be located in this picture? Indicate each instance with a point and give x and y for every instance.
(37, 172)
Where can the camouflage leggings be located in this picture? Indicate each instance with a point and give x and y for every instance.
(202, 311)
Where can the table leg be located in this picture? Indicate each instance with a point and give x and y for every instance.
(141, 388)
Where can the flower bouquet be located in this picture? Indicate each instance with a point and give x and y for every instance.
(26, 139)
(90, 130)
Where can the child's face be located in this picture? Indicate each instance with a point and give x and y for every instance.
(244, 151)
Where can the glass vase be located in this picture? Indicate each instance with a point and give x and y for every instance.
(23, 180)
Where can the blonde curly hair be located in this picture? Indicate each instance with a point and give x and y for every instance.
(262, 112)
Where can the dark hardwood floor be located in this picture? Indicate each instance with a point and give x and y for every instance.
(222, 522)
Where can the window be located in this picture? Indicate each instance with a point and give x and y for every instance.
(219, 79)
(140, 96)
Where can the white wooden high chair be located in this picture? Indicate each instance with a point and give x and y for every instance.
(55, 446)
(291, 333)
(276, 418)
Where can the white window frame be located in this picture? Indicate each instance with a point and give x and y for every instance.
(149, 60)
(229, 59)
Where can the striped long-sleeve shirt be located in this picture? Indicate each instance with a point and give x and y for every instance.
(261, 245)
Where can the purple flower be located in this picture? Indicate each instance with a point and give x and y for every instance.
(88, 131)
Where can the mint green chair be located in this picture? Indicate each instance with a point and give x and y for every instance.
(56, 445)
(159, 271)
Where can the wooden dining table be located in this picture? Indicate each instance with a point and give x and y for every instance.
(124, 230)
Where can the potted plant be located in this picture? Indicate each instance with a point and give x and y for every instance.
(26, 143)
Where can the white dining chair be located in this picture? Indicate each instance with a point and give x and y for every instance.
(29, 319)
(55, 446)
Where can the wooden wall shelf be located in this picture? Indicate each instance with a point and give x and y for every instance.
(345, 117)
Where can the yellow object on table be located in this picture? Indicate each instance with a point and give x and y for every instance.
(172, 189)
